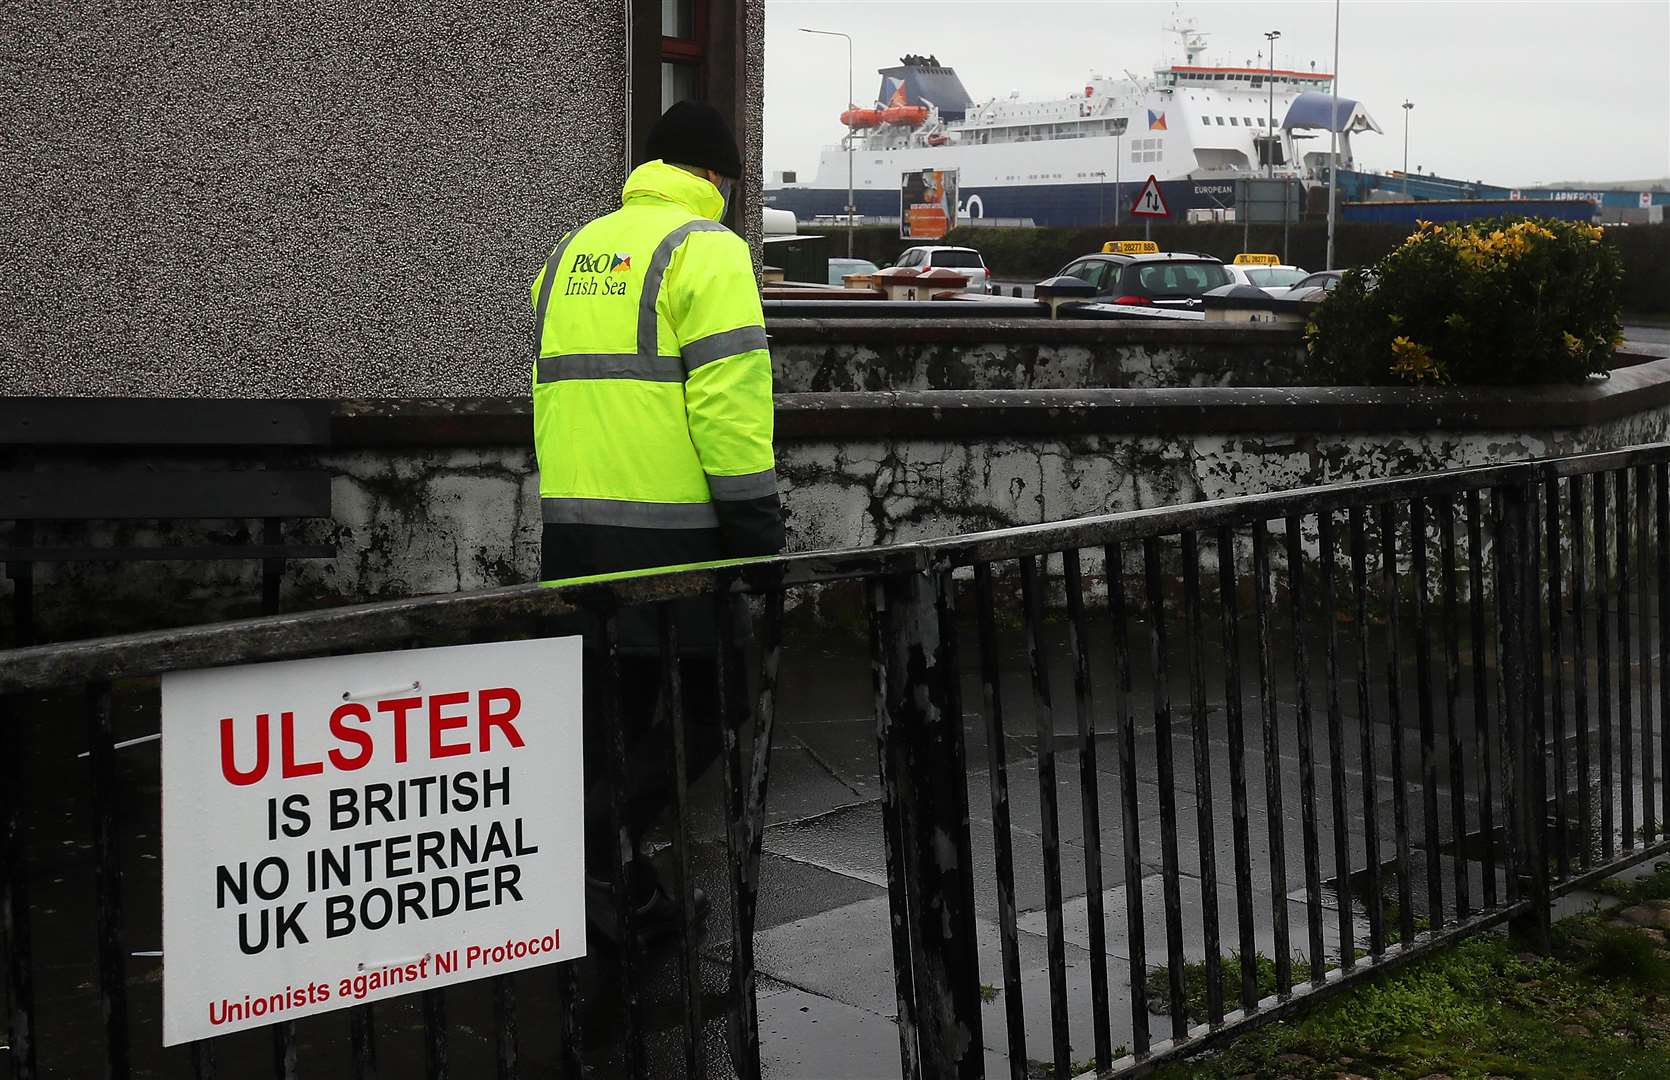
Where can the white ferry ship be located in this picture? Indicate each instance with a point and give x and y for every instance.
(1196, 126)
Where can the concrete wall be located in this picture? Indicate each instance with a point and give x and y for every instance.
(441, 496)
(298, 199)
(822, 355)
(858, 494)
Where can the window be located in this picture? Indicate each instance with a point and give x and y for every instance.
(682, 51)
(1180, 278)
(1274, 276)
(678, 19)
(679, 82)
(1220, 121)
(962, 260)
(1088, 270)
(1233, 122)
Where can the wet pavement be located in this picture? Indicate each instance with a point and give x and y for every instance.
(833, 1016)
(823, 946)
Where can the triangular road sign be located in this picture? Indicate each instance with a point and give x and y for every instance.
(1149, 202)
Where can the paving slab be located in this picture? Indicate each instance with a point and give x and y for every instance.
(847, 840)
(791, 890)
(807, 1036)
(846, 955)
(1118, 941)
(802, 786)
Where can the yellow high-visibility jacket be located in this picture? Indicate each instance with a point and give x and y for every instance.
(652, 385)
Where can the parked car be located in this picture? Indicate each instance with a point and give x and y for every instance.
(840, 268)
(1137, 272)
(1318, 285)
(1266, 272)
(963, 260)
(1322, 279)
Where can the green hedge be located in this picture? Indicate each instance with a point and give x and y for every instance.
(878, 243)
(1030, 254)
(1645, 250)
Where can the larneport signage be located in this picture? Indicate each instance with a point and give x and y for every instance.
(344, 830)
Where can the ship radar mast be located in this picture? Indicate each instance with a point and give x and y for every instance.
(1194, 39)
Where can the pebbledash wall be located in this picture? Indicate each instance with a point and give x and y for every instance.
(300, 199)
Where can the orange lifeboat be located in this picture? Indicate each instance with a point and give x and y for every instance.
(861, 118)
(905, 115)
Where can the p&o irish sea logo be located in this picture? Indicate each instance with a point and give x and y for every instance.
(603, 272)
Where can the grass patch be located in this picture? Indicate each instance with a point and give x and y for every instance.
(1606, 951)
(1597, 1008)
(1044, 1070)
(1654, 886)
(1194, 984)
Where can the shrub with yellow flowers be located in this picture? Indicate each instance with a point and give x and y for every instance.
(1496, 301)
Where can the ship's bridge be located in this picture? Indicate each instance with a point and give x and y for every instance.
(1239, 78)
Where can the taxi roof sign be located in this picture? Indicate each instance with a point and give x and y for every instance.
(1130, 247)
(1248, 259)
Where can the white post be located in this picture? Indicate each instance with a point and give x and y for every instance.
(1333, 143)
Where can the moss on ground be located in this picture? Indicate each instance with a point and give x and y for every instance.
(1194, 984)
(1598, 1007)
(1654, 886)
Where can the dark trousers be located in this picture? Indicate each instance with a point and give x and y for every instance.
(646, 727)
(647, 731)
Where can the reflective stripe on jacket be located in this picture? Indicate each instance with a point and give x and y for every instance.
(652, 382)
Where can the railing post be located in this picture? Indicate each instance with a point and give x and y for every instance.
(15, 865)
(932, 795)
(1525, 757)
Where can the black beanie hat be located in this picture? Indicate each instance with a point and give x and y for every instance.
(693, 133)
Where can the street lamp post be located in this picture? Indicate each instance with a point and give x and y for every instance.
(1270, 131)
(1118, 140)
(1407, 105)
(1119, 123)
(850, 209)
(1333, 142)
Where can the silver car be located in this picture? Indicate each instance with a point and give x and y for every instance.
(963, 260)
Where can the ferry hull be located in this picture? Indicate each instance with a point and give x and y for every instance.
(1068, 204)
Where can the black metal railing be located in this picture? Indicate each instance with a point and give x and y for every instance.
(1358, 736)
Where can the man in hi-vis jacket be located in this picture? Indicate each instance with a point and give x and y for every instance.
(653, 429)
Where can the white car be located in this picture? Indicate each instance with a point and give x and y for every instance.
(1277, 279)
(963, 260)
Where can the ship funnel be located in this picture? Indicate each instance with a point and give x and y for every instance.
(920, 81)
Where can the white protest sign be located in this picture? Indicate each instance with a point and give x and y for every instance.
(344, 830)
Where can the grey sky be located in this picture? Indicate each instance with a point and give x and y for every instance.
(1510, 92)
